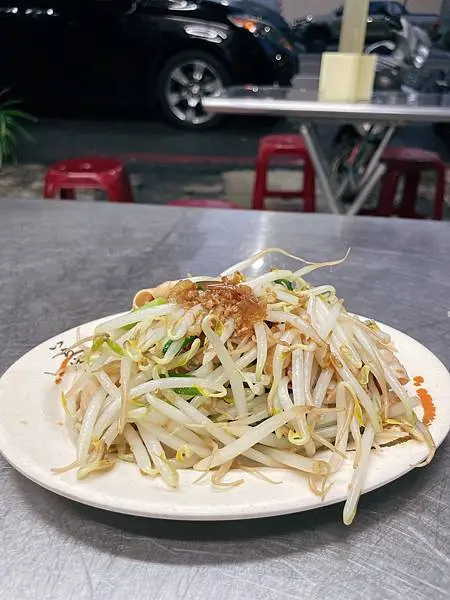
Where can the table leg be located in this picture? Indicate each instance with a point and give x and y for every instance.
(320, 164)
(373, 173)
(364, 194)
(376, 158)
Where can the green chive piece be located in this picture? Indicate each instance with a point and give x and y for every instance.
(286, 283)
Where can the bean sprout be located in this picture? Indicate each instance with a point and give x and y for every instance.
(223, 373)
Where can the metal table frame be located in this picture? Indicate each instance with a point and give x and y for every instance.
(390, 110)
(333, 193)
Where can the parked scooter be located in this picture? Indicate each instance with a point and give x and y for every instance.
(399, 69)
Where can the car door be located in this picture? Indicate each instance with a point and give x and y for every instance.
(33, 48)
(73, 51)
(14, 46)
(112, 43)
(95, 42)
(9, 27)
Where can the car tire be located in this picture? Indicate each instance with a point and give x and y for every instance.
(183, 81)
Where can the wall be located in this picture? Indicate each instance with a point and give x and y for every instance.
(295, 9)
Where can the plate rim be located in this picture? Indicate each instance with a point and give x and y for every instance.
(74, 491)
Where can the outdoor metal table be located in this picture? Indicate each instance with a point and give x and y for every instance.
(64, 263)
(390, 109)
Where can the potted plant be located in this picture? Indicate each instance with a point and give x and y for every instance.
(11, 125)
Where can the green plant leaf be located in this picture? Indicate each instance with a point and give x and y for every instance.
(5, 105)
(20, 114)
(23, 132)
(11, 117)
(9, 135)
(8, 150)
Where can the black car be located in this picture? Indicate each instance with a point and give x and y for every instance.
(146, 52)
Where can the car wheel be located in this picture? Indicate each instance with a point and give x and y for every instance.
(185, 79)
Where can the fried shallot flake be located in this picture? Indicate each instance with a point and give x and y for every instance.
(226, 300)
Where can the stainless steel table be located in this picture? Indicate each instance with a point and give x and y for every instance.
(67, 262)
(389, 109)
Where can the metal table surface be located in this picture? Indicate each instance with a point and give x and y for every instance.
(63, 263)
(303, 102)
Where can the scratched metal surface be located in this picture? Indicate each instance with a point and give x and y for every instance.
(64, 263)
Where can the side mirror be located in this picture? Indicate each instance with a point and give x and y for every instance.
(339, 12)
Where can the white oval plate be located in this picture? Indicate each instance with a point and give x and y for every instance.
(33, 439)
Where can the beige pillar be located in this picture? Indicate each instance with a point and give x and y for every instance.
(354, 25)
(348, 75)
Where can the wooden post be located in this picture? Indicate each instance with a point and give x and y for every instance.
(348, 75)
(354, 26)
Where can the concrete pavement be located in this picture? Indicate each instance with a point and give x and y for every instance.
(132, 136)
(165, 164)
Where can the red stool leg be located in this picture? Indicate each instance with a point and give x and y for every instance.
(50, 187)
(127, 192)
(440, 193)
(309, 186)
(117, 187)
(410, 193)
(114, 193)
(288, 148)
(260, 186)
(388, 191)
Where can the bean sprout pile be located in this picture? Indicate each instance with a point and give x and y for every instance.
(234, 374)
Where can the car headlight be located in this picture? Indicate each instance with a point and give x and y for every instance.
(262, 29)
(421, 57)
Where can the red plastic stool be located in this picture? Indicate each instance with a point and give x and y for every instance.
(284, 145)
(106, 174)
(200, 203)
(409, 163)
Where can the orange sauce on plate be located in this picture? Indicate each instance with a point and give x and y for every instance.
(429, 409)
